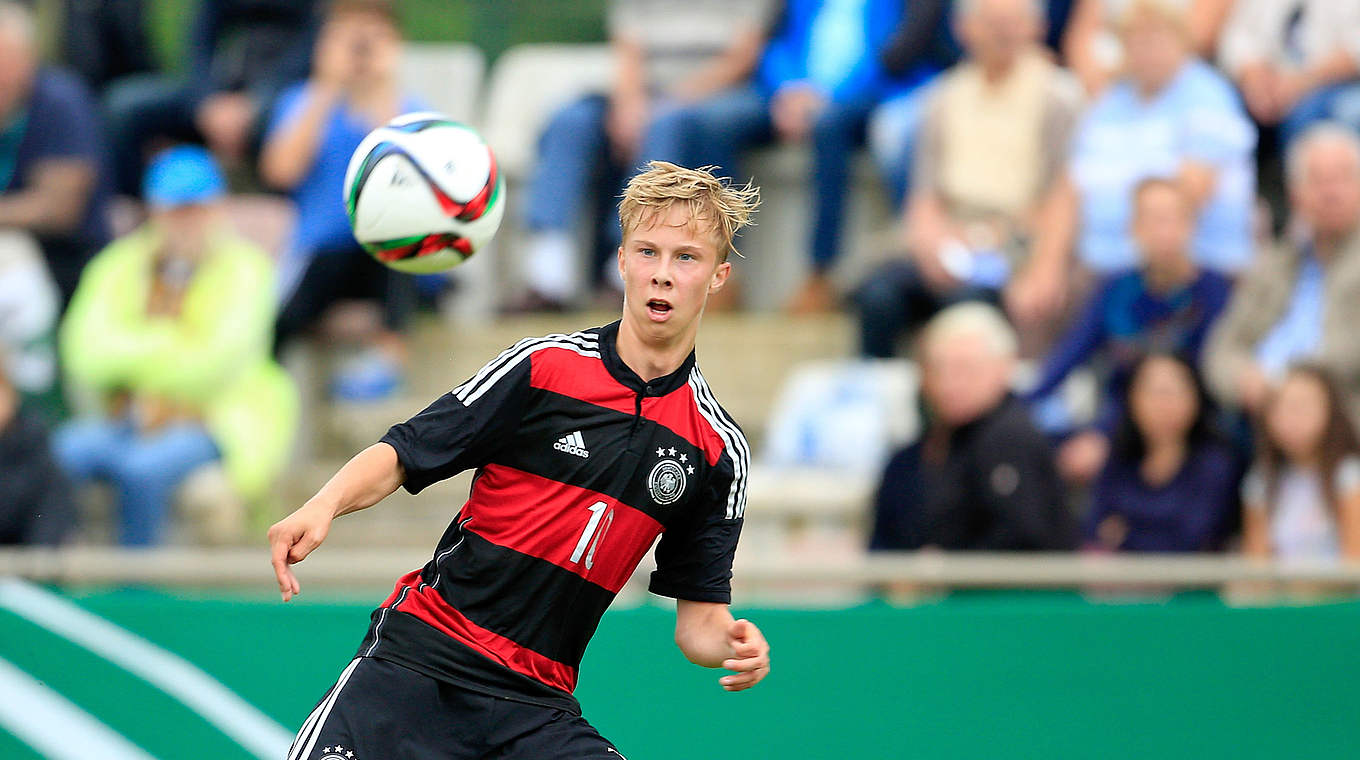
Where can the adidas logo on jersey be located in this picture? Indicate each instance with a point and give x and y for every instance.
(572, 444)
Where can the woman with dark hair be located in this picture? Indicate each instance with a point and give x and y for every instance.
(1302, 497)
(1170, 483)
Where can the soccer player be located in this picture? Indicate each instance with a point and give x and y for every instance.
(587, 447)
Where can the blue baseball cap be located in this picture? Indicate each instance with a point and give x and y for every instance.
(183, 175)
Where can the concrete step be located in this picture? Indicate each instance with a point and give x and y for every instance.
(745, 358)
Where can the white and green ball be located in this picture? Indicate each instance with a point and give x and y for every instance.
(423, 193)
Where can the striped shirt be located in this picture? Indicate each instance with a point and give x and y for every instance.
(580, 466)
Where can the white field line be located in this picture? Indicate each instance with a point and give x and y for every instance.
(167, 671)
(57, 729)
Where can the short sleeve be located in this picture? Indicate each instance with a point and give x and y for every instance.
(1060, 126)
(925, 157)
(465, 427)
(1216, 129)
(1254, 490)
(63, 122)
(694, 557)
(286, 108)
(1347, 478)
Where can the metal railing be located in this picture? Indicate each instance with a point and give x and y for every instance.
(249, 568)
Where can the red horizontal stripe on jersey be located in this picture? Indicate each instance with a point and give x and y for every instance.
(427, 605)
(585, 378)
(677, 411)
(546, 519)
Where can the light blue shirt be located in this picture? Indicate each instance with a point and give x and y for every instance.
(836, 42)
(1299, 332)
(1124, 139)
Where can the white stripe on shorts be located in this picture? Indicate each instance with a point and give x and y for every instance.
(317, 719)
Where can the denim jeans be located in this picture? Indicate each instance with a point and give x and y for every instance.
(144, 470)
(1337, 102)
(896, 298)
(572, 152)
(725, 124)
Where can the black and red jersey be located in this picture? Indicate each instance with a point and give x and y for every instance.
(580, 465)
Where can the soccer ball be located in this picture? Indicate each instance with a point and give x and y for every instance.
(423, 193)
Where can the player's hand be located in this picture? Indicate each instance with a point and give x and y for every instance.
(750, 660)
(292, 539)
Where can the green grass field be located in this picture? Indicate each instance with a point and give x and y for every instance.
(980, 675)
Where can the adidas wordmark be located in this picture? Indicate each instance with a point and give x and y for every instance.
(572, 443)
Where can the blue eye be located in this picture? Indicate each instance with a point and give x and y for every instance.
(648, 252)
(686, 257)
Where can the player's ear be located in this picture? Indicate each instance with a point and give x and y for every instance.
(720, 276)
(619, 256)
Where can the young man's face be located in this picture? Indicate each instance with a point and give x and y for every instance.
(1163, 225)
(669, 266)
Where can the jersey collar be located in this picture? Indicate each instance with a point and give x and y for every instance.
(609, 354)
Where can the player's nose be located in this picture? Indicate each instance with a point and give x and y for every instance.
(661, 275)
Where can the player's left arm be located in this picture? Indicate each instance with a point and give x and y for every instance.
(708, 635)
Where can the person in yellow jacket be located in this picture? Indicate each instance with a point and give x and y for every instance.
(171, 327)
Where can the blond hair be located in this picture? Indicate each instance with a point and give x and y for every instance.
(714, 202)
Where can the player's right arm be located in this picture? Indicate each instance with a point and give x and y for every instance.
(371, 476)
(456, 432)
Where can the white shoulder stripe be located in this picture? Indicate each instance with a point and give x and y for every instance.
(733, 441)
(469, 398)
(583, 343)
(743, 447)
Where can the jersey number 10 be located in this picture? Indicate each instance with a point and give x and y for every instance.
(595, 530)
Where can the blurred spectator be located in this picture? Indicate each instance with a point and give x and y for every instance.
(1297, 62)
(35, 499)
(1302, 497)
(923, 46)
(820, 75)
(1168, 305)
(981, 475)
(667, 55)
(29, 305)
(986, 198)
(1171, 483)
(1172, 116)
(353, 88)
(241, 54)
(52, 179)
(102, 40)
(1091, 44)
(1301, 299)
(171, 326)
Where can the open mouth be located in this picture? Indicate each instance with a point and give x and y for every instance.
(658, 308)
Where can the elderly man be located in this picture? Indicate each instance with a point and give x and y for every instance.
(1297, 62)
(1301, 299)
(988, 211)
(51, 154)
(981, 476)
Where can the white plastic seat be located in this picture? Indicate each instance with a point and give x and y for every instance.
(446, 76)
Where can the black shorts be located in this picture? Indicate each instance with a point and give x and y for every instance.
(378, 710)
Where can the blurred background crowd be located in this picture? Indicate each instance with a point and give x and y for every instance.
(1068, 275)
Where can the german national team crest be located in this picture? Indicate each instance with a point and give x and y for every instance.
(667, 479)
(338, 753)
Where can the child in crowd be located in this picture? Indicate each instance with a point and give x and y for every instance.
(1170, 482)
(1302, 497)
